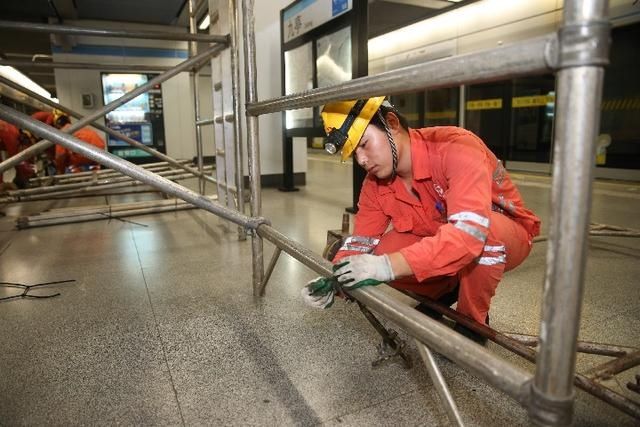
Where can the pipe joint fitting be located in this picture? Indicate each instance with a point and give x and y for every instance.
(257, 221)
(545, 410)
(583, 44)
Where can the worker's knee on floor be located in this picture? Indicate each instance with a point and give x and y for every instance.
(506, 233)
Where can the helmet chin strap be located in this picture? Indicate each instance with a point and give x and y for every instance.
(392, 144)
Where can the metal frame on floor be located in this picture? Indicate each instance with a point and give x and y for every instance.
(577, 53)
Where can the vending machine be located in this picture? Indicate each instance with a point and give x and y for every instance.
(140, 119)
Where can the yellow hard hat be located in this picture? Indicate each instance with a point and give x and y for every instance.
(346, 121)
(57, 115)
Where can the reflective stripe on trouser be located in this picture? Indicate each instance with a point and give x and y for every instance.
(478, 280)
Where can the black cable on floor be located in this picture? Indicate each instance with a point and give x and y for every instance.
(27, 288)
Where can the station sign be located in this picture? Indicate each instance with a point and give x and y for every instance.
(306, 15)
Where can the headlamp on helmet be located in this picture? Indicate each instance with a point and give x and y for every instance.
(337, 137)
(346, 121)
(334, 141)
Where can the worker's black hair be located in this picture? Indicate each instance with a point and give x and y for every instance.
(62, 121)
(384, 109)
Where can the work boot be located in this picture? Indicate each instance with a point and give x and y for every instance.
(447, 299)
(473, 336)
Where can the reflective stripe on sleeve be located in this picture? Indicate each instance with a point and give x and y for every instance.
(348, 247)
(363, 240)
(471, 230)
(500, 248)
(491, 260)
(470, 216)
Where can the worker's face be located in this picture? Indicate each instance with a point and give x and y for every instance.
(374, 153)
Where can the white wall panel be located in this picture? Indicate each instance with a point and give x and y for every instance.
(509, 33)
(71, 84)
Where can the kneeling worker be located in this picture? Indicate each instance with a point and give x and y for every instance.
(438, 214)
(66, 160)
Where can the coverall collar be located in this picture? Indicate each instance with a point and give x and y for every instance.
(420, 158)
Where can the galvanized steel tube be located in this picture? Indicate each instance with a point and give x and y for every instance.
(127, 168)
(440, 384)
(534, 56)
(94, 189)
(194, 77)
(579, 93)
(43, 145)
(234, 28)
(35, 27)
(84, 66)
(252, 139)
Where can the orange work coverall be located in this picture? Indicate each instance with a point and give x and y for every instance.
(46, 117)
(73, 162)
(43, 116)
(10, 142)
(464, 222)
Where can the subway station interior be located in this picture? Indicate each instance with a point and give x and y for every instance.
(171, 206)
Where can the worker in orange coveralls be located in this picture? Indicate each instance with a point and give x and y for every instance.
(46, 117)
(66, 160)
(13, 141)
(438, 214)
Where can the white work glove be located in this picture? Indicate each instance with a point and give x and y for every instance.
(362, 270)
(319, 292)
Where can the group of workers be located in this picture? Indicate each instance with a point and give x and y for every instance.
(56, 160)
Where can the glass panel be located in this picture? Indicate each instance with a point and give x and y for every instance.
(619, 142)
(407, 105)
(532, 107)
(334, 58)
(441, 107)
(485, 114)
(298, 77)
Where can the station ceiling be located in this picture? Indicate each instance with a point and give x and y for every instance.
(384, 16)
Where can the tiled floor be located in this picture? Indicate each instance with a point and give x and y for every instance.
(161, 328)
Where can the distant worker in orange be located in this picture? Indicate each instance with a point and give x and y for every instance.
(66, 160)
(13, 141)
(46, 117)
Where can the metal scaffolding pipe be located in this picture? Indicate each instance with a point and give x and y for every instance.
(35, 27)
(253, 150)
(51, 180)
(108, 212)
(108, 130)
(71, 211)
(43, 145)
(194, 77)
(534, 56)
(519, 346)
(584, 40)
(587, 347)
(440, 384)
(234, 51)
(89, 175)
(91, 184)
(94, 189)
(83, 66)
(127, 168)
(476, 359)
